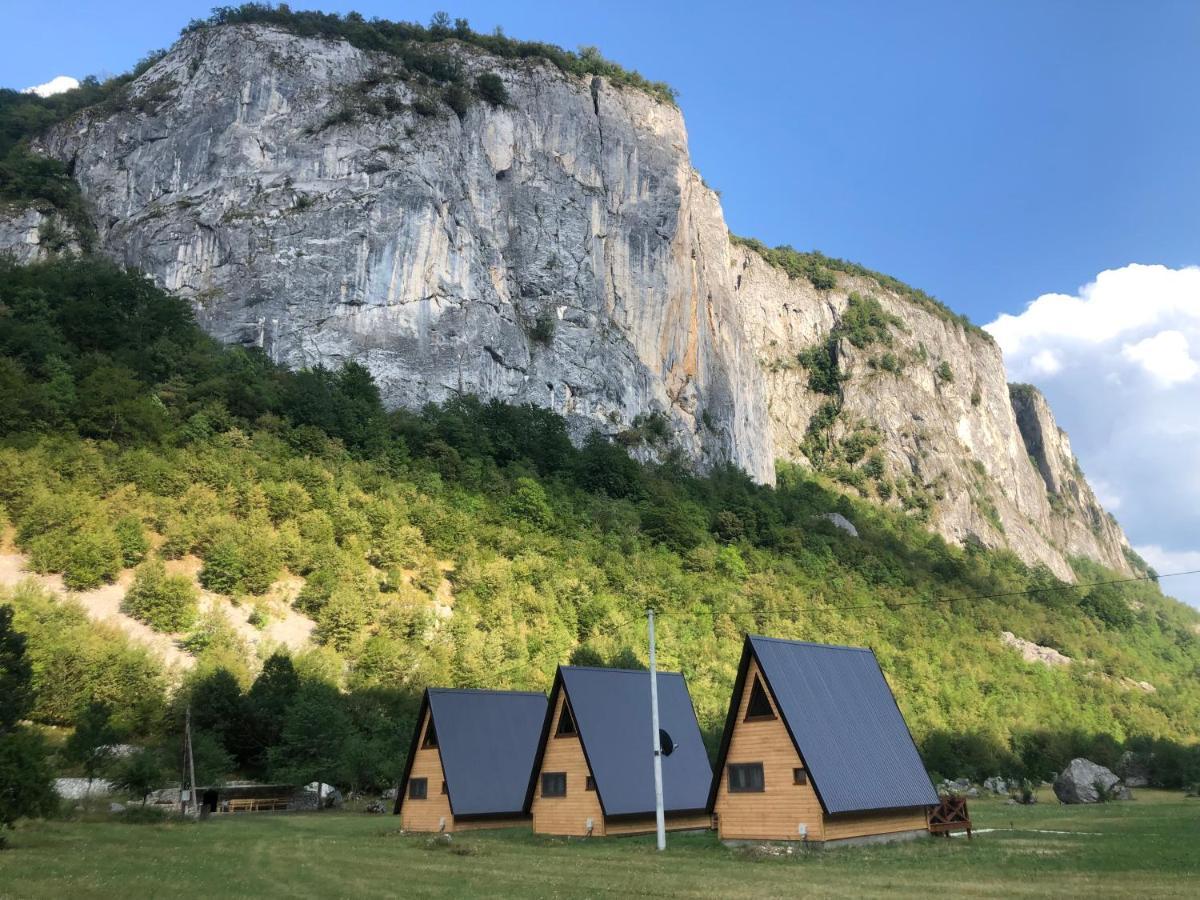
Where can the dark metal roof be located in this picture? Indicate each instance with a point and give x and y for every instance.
(487, 740)
(612, 715)
(845, 723)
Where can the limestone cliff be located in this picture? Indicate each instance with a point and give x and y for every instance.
(313, 199)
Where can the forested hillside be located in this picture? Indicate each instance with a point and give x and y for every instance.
(472, 544)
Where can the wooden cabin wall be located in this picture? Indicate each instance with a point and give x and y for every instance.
(888, 821)
(480, 824)
(569, 814)
(776, 812)
(648, 825)
(426, 815)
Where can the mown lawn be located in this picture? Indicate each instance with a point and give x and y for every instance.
(1149, 848)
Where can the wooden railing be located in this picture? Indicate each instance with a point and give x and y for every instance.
(951, 814)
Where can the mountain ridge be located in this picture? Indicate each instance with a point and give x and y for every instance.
(329, 203)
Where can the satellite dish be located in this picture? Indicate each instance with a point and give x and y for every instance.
(665, 743)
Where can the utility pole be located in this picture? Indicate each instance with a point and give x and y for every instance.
(659, 818)
(191, 763)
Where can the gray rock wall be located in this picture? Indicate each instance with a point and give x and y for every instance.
(560, 250)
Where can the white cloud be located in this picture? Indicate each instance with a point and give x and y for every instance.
(56, 85)
(1045, 362)
(1165, 356)
(1116, 362)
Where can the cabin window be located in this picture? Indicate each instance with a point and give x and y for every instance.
(418, 788)
(445, 790)
(554, 784)
(566, 722)
(759, 706)
(799, 776)
(746, 778)
(430, 742)
(590, 784)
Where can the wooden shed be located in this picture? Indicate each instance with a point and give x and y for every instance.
(469, 763)
(594, 769)
(816, 749)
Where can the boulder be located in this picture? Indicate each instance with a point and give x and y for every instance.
(996, 785)
(841, 522)
(1083, 781)
(958, 786)
(116, 807)
(306, 797)
(389, 794)
(1134, 769)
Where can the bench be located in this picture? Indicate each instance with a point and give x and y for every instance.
(257, 804)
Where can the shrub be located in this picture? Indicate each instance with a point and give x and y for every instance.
(944, 373)
(132, 539)
(458, 98)
(92, 557)
(164, 602)
(223, 567)
(491, 88)
(543, 328)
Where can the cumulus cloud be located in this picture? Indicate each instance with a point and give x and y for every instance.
(56, 85)
(1118, 361)
(1165, 356)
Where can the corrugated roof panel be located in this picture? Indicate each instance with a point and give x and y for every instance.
(487, 740)
(612, 714)
(844, 718)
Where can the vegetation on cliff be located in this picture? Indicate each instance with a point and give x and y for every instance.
(408, 40)
(819, 270)
(473, 544)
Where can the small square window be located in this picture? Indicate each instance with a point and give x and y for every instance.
(746, 778)
(554, 784)
(418, 788)
(799, 776)
(590, 784)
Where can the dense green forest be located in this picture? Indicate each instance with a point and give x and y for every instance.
(472, 544)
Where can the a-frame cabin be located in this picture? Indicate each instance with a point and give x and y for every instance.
(594, 769)
(469, 764)
(816, 749)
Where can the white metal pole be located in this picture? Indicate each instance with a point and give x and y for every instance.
(659, 817)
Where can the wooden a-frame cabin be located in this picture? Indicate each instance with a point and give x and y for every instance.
(816, 749)
(594, 768)
(469, 764)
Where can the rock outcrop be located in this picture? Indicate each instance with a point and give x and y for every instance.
(1031, 652)
(31, 235)
(559, 249)
(1084, 781)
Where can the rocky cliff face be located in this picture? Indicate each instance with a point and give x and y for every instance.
(312, 200)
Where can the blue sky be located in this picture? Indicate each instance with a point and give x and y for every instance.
(990, 153)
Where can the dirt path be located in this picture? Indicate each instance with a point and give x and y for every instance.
(101, 605)
(286, 627)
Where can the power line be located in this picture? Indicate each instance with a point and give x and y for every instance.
(612, 630)
(1005, 594)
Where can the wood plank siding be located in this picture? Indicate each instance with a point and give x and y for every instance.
(886, 821)
(566, 815)
(647, 824)
(427, 814)
(776, 812)
(488, 822)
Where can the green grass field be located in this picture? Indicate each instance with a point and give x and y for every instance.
(1149, 847)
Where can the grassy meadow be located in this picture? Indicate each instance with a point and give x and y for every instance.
(1146, 847)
